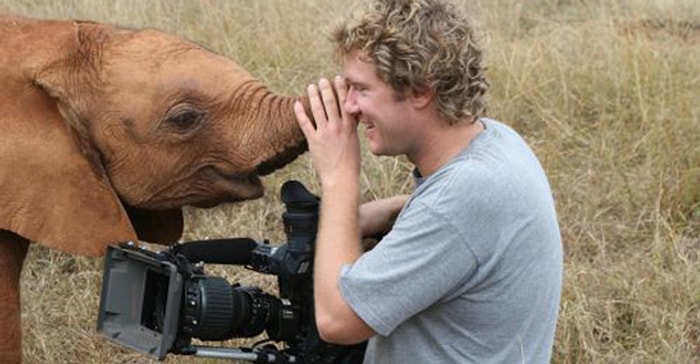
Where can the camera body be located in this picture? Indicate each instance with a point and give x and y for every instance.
(156, 302)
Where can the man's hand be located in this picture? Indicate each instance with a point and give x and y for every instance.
(333, 144)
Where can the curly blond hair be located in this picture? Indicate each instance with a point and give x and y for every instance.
(421, 44)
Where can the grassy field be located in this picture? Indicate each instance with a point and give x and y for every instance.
(604, 91)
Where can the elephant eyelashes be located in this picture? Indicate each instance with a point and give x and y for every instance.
(185, 120)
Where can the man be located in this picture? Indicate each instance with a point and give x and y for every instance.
(471, 269)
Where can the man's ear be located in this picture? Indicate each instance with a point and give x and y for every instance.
(422, 97)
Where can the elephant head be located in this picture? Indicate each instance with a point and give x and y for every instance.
(108, 132)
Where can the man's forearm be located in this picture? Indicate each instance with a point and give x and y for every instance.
(378, 216)
(337, 243)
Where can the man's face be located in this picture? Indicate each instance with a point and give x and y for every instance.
(387, 118)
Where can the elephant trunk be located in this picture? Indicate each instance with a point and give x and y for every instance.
(273, 138)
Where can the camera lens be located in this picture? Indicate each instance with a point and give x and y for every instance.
(209, 308)
(215, 310)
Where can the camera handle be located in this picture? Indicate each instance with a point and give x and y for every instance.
(231, 251)
(258, 355)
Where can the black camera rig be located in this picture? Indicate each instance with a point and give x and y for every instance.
(158, 302)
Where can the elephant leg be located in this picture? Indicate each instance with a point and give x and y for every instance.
(13, 249)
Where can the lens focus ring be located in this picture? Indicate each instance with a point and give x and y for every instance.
(208, 308)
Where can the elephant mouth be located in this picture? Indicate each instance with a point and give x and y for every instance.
(227, 188)
(282, 159)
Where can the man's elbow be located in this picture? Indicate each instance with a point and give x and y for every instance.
(336, 330)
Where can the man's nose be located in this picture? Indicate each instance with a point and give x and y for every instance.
(351, 102)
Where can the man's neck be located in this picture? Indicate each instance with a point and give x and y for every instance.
(442, 143)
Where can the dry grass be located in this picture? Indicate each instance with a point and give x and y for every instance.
(605, 92)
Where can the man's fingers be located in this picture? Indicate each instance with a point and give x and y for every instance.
(329, 100)
(317, 109)
(303, 119)
(341, 89)
(325, 101)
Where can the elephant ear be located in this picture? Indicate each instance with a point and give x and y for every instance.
(53, 186)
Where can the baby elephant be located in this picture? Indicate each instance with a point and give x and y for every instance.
(107, 132)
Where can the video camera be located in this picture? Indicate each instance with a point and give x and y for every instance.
(158, 302)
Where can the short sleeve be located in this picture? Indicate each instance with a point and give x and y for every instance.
(420, 262)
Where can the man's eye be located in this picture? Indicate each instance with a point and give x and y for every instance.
(359, 89)
(185, 120)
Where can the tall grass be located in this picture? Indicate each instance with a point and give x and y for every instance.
(604, 91)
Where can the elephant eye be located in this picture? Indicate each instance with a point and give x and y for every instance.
(185, 120)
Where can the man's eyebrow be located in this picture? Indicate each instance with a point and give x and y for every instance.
(355, 83)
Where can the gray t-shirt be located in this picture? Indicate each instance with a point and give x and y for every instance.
(472, 270)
